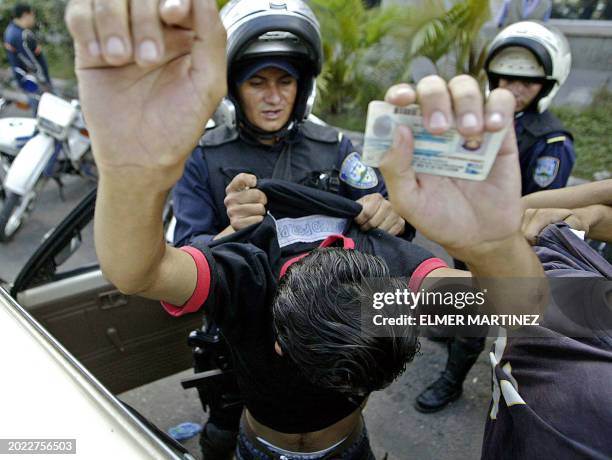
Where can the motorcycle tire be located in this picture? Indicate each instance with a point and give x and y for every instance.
(11, 202)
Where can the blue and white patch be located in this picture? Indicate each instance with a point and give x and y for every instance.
(546, 171)
(356, 174)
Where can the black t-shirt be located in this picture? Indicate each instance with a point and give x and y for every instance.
(244, 271)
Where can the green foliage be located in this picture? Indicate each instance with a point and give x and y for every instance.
(592, 134)
(366, 51)
(51, 32)
(436, 32)
(350, 34)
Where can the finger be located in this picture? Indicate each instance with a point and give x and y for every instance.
(526, 226)
(113, 30)
(506, 168)
(381, 215)
(147, 32)
(208, 54)
(244, 211)
(80, 23)
(574, 222)
(541, 219)
(396, 168)
(401, 95)
(389, 220)
(241, 182)
(527, 217)
(499, 110)
(246, 222)
(468, 105)
(435, 102)
(398, 227)
(176, 12)
(252, 196)
(371, 204)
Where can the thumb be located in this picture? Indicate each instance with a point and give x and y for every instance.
(396, 165)
(208, 52)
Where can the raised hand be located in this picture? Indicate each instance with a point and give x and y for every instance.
(150, 76)
(461, 215)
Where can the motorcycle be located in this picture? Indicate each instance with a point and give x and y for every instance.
(60, 146)
(16, 131)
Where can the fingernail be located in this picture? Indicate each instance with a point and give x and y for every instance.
(148, 51)
(172, 4)
(401, 91)
(469, 121)
(438, 120)
(94, 48)
(115, 46)
(496, 119)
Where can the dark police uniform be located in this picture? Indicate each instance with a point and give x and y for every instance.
(546, 151)
(315, 155)
(15, 41)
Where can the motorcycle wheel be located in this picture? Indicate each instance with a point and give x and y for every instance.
(9, 221)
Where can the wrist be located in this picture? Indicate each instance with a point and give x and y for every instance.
(511, 256)
(136, 179)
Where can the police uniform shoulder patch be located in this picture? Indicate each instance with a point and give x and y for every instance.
(546, 171)
(356, 174)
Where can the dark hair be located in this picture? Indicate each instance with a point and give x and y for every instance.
(21, 9)
(318, 320)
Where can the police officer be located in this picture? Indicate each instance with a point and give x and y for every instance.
(532, 61)
(24, 53)
(264, 131)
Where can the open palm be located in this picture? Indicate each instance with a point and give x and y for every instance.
(152, 115)
(458, 214)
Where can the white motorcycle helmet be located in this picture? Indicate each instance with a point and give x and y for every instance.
(264, 29)
(530, 50)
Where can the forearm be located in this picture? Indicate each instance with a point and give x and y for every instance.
(130, 241)
(511, 273)
(578, 196)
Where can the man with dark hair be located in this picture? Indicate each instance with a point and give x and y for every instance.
(25, 55)
(317, 332)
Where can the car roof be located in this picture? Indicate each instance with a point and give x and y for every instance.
(45, 393)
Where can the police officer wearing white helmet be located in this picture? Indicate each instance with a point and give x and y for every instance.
(274, 54)
(532, 61)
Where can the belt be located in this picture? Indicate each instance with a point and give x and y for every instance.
(356, 435)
